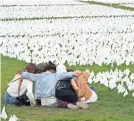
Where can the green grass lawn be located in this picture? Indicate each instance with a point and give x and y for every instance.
(110, 107)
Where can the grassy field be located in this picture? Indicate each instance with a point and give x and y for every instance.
(111, 106)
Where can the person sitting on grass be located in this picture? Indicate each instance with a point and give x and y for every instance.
(48, 67)
(83, 91)
(80, 86)
(18, 90)
(46, 83)
(65, 93)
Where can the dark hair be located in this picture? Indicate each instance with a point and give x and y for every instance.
(42, 67)
(50, 65)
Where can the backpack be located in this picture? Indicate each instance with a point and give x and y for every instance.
(22, 101)
(65, 92)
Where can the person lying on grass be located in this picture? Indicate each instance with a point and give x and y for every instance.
(18, 90)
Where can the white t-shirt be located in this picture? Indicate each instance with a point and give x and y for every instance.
(13, 86)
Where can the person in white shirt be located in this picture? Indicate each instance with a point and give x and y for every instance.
(18, 87)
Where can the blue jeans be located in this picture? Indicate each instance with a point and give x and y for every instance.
(92, 88)
(9, 99)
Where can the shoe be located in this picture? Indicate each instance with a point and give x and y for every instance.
(82, 105)
(71, 106)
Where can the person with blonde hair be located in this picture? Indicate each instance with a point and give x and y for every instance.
(79, 84)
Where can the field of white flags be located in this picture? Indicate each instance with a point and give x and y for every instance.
(74, 32)
(60, 10)
(122, 80)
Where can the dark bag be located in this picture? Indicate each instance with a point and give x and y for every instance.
(65, 92)
(22, 101)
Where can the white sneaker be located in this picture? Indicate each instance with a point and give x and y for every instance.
(72, 106)
(82, 105)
